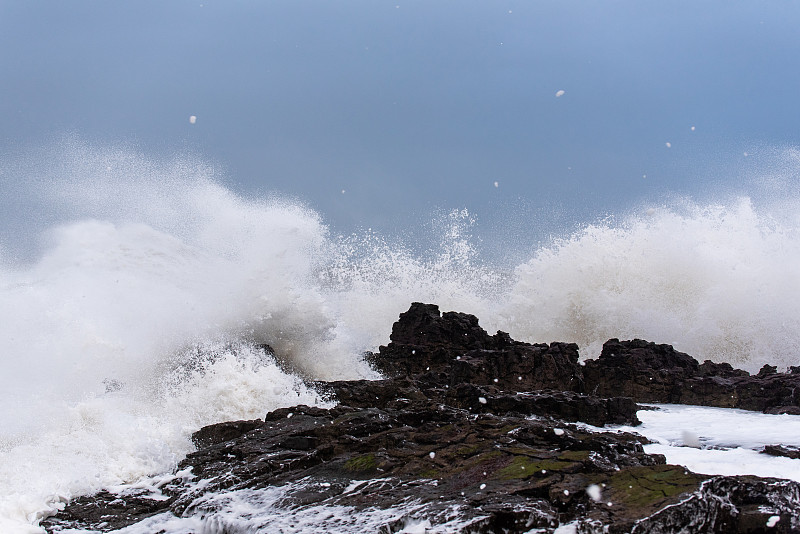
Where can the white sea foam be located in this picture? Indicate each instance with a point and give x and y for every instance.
(138, 317)
(263, 510)
(725, 441)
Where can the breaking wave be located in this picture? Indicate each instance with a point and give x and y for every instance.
(145, 306)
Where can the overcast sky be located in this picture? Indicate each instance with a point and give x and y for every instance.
(410, 107)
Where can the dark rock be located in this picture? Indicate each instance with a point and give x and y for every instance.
(722, 370)
(782, 450)
(767, 370)
(211, 435)
(451, 348)
(105, 511)
(730, 504)
(783, 410)
(481, 429)
(648, 372)
(564, 405)
(424, 325)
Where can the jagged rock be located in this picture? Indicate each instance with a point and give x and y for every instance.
(105, 511)
(782, 450)
(563, 405)
(424, 325)
(211, 435)
(648, 372)
(348, 443)
(476, 432)
(730, 504)
(451, 349)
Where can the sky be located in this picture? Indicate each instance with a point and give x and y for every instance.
(381, 114)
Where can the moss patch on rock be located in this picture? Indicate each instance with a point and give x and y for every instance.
(574, 456)
(647, 486)
(525, 466)
(366, 462)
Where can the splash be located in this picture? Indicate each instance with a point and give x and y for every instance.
(718, 282)
(144, 308)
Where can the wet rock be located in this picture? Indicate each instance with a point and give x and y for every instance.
(477, 433)
(563, 405)
(211, 435)
(105, 511)
(782, 450)
(730, 504)
(451, 348)
(783, 410)
(648, 372)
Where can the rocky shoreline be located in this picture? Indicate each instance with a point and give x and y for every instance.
(479, 433)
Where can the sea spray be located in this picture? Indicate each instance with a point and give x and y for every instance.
(142, 311)
(142, 319)
(719, 282)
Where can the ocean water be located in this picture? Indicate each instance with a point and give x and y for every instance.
(135, 309)
(712, 440)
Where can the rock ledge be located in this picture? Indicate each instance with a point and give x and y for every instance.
(477, 433)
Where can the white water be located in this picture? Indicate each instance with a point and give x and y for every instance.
(719, 441)
(153, 277)
(262, 510)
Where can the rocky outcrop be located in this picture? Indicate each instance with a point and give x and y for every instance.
(469, 432)
(450, 349)
(730, 504)
(648, 372)
(786, 451)
(563, 405)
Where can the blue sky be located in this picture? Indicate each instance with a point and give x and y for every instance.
(414, 107)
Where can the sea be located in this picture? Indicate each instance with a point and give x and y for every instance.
(136, 297)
